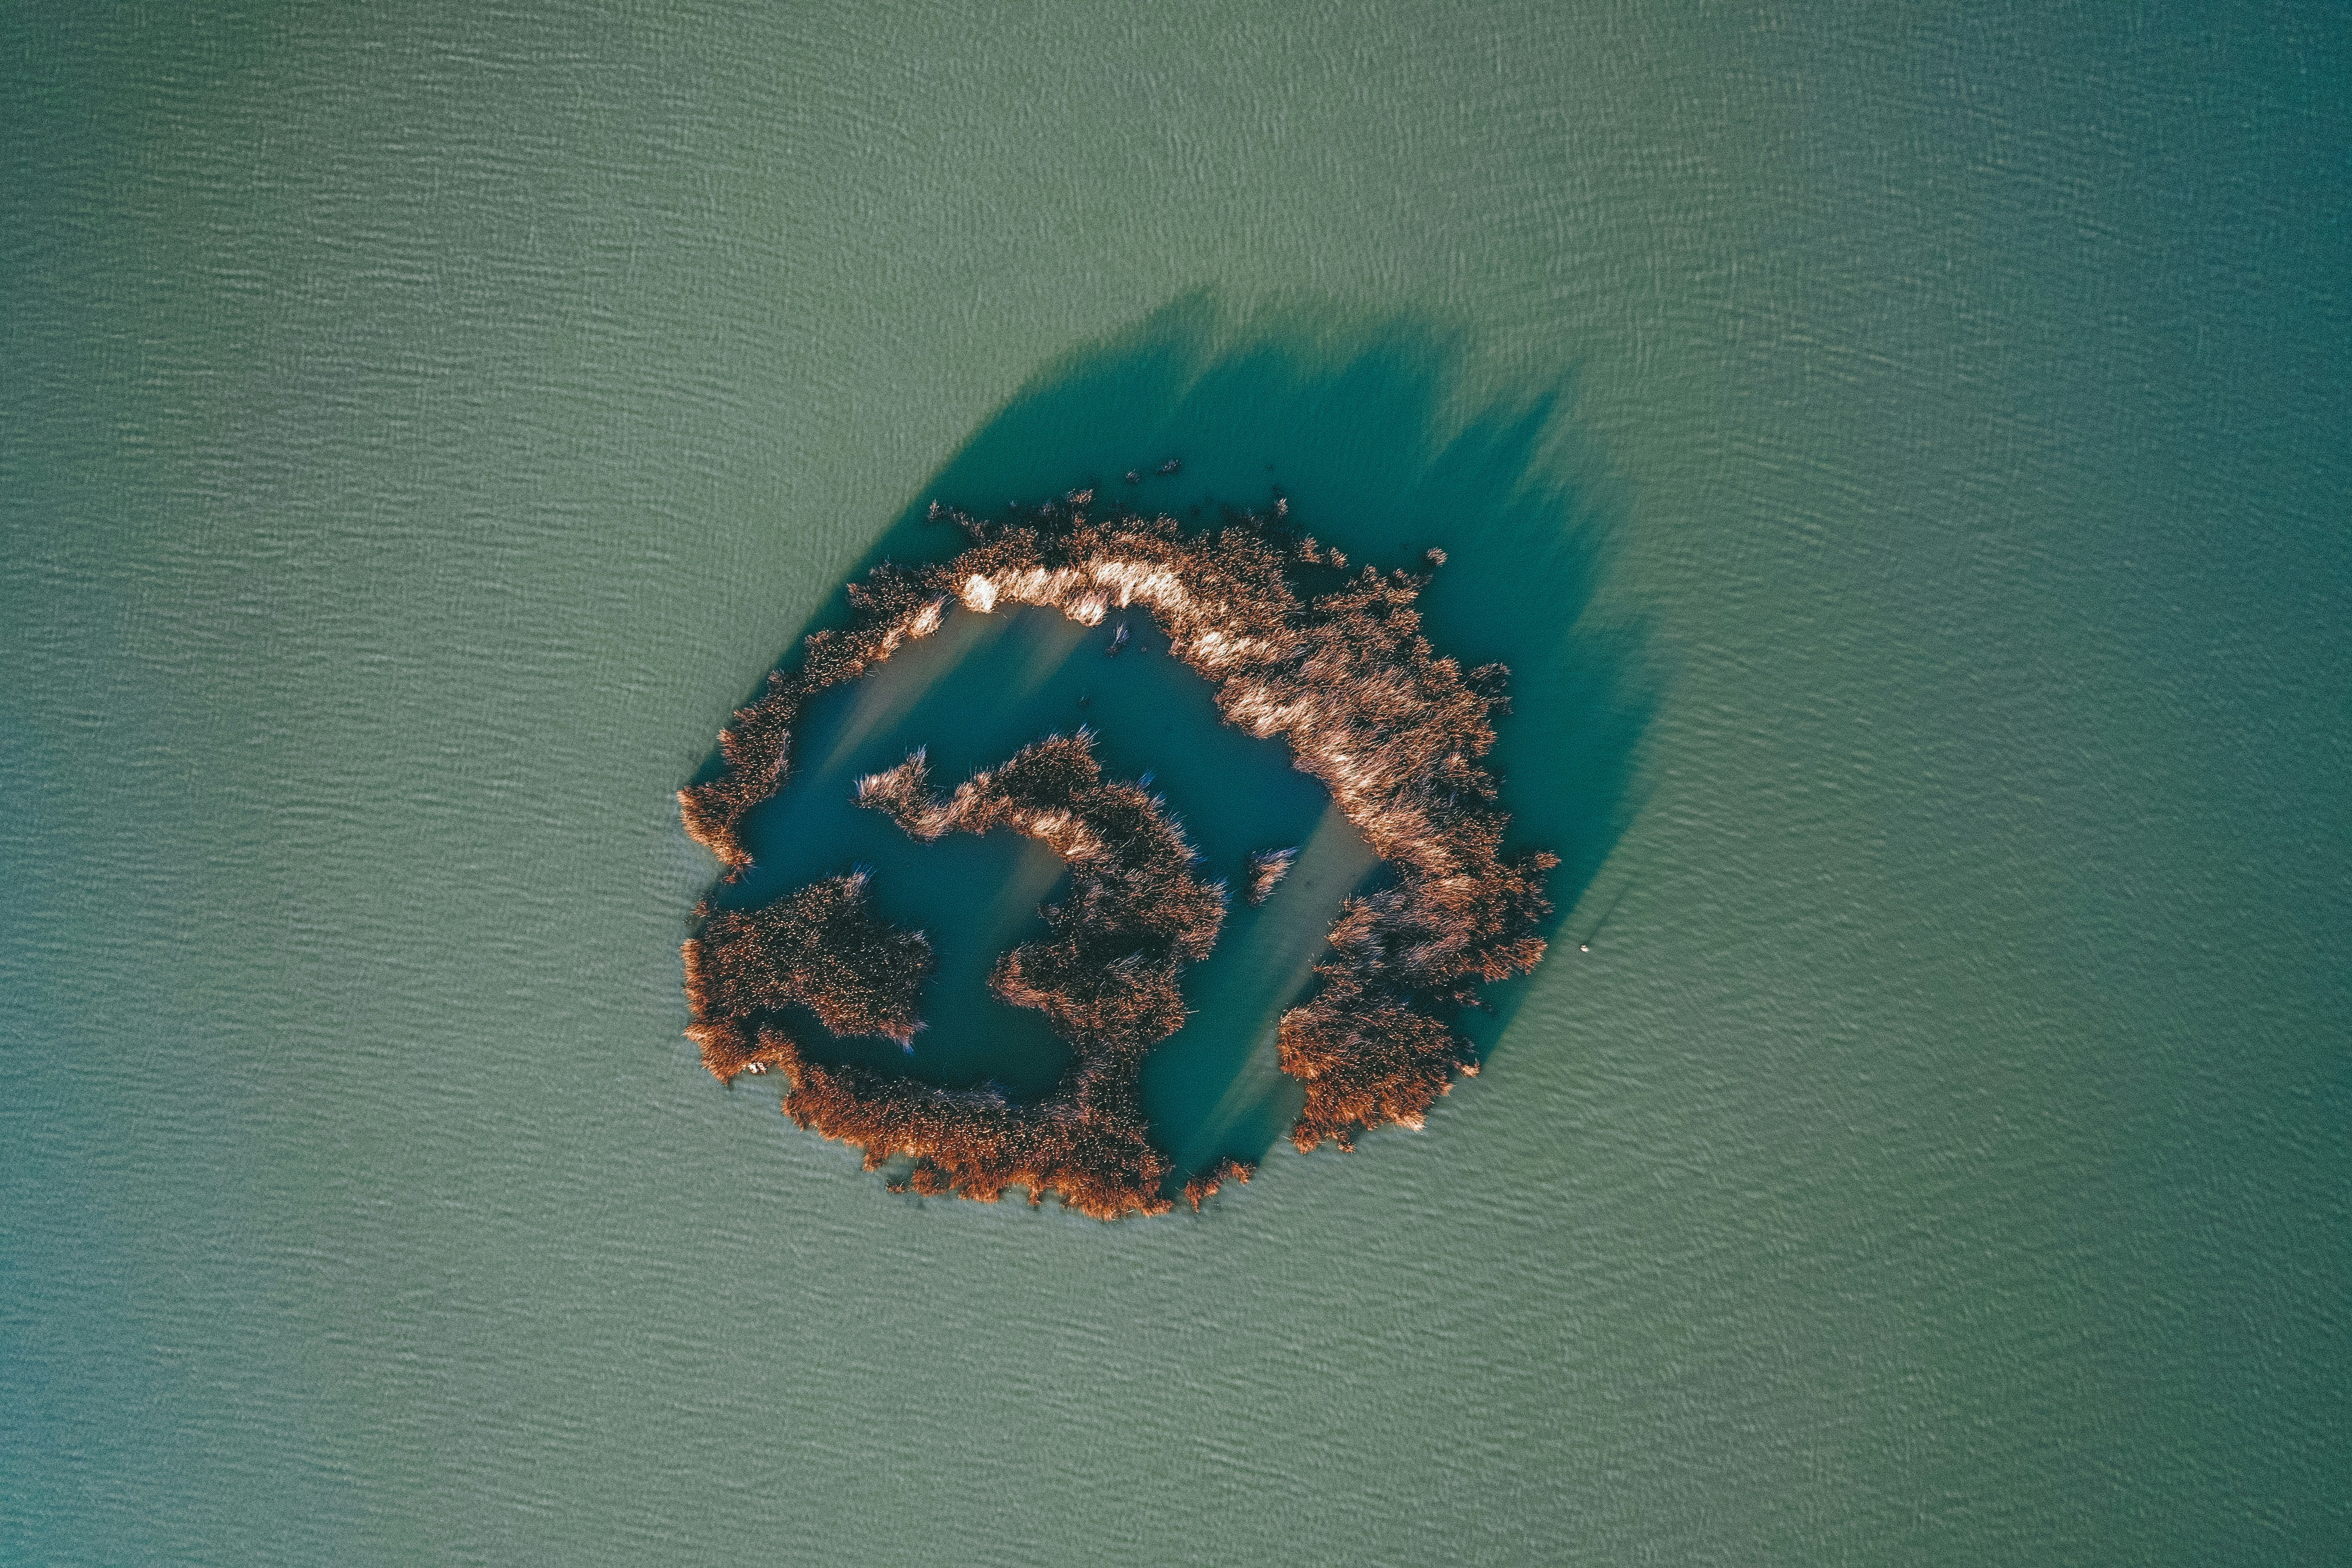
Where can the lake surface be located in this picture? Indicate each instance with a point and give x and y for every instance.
(1903, 456)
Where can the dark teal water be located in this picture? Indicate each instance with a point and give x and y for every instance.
(1903, 455)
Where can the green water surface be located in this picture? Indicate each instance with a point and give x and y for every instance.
(1901, 450)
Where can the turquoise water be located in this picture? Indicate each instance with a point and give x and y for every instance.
(1902, 455)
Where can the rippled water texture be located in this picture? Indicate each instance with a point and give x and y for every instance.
(1902, 455)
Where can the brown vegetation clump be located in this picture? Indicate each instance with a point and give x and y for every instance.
(1204, 1184)
(1106, 977)
(823, 948)
(1266, 869)
(1342, 674)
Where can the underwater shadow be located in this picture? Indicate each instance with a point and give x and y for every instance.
(1373, 430)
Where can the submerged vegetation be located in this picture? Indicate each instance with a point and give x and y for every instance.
(1294, 645)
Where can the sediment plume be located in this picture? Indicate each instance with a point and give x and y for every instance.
(1267, 868)
(1295, 644)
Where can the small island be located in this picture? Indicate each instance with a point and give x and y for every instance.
(1294, 644)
